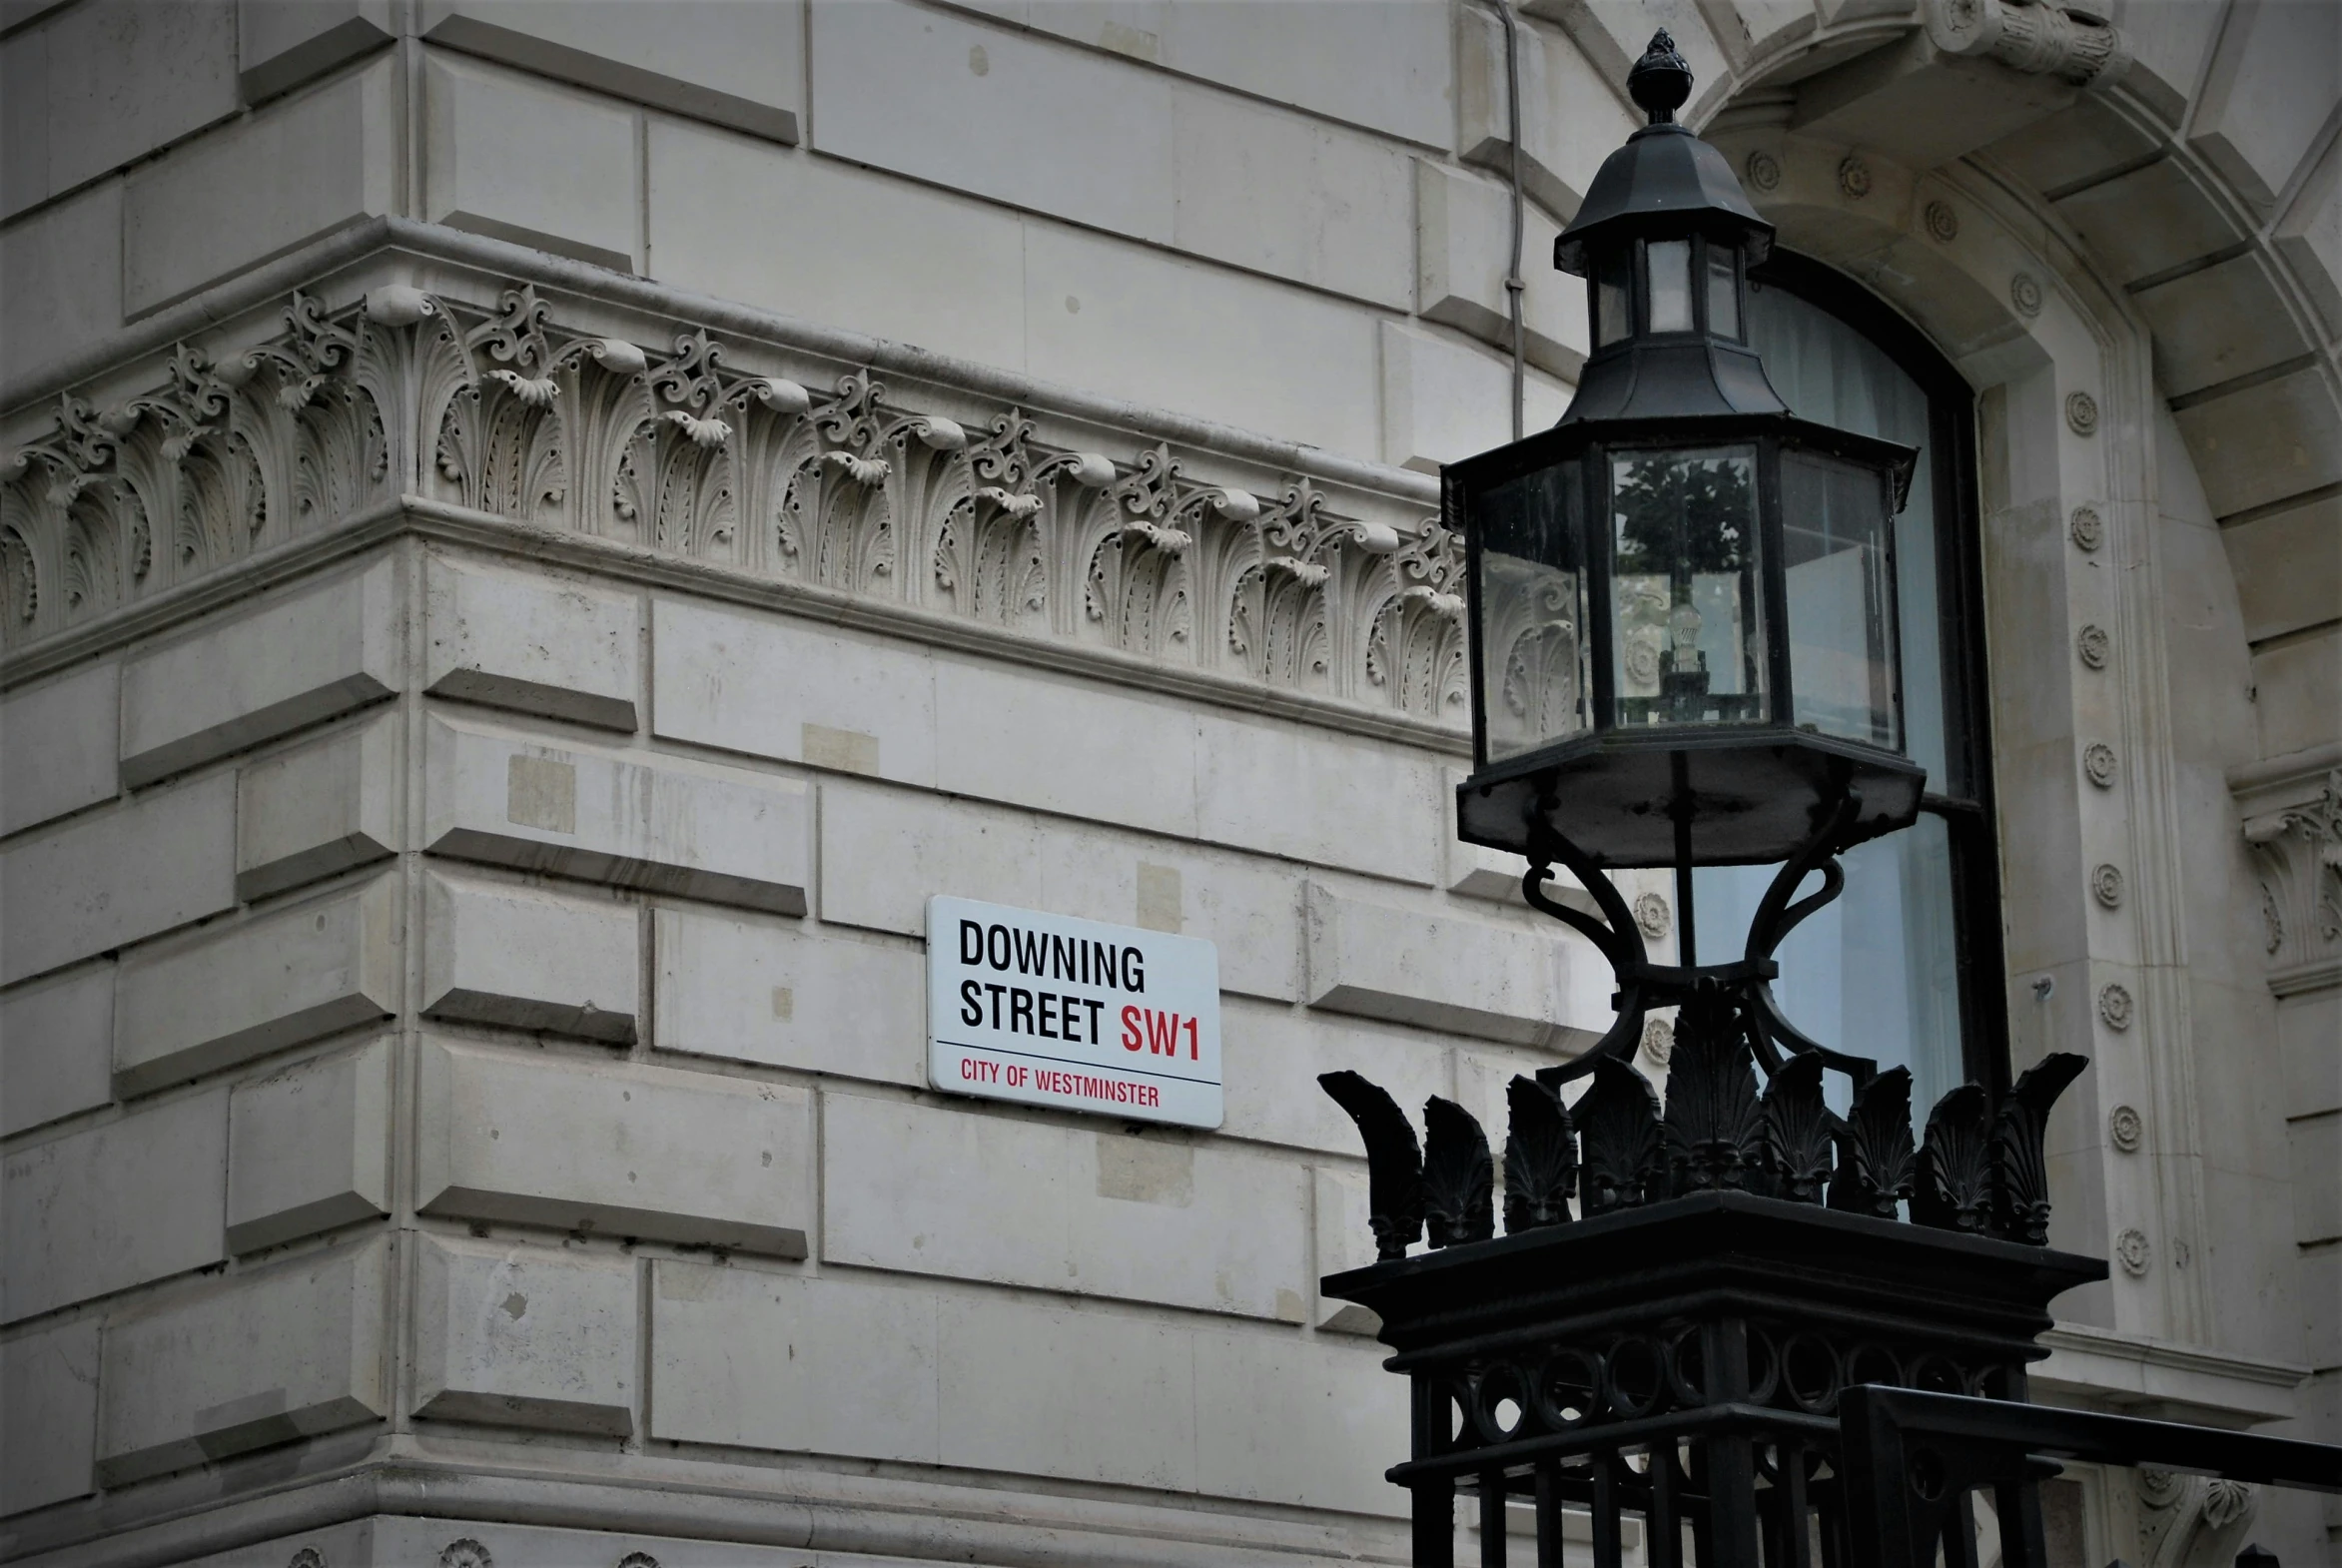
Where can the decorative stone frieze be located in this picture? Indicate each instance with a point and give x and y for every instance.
(2106, 886)
(497, 410)
(2133, 1253)
(1943, 222)
(2039, 38)
(2025, 292)
(2097, 761)
(2081, 414)
(1764, 170)
(2115, 1006)
(2294, 825)
(1853, 178)
(2092, 645)
(1653, 916)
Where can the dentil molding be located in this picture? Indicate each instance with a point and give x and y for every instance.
(495, 408)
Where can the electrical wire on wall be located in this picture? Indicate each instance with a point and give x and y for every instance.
(1515, 286)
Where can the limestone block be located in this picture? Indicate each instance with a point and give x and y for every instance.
(2149, 220)
(531, 643)
(1357, 1415)
(1301, 793)
(1014, 103)
(772, 687)
(524, 1337)
(238, 991)
(2288, 567)
(320, 809)
(935, 1190)
(1570, 117)
(1611, 35)
(759, 1359)
(24, 115)
(902, 261)
(2266, 442)
(114, 877)
(766, 991)
(674, 827)
(735, 65)
(1463, 249)
(1128, 321)
(1923, 107)
(56, 1048)
(309, 1149)
(48, 1416)
(60, 268)
(112, 82)
(2317, 1200)
(509, 157)
(1268, 191)
(297, 169)
(308, 657)
(1380, 64)
(1344, 1241)
(1439, 972)
(998, 1406)
(884, 852)
(2085, 143)
(2168, 44)
(56, 745)
(2308, 1024)
(1083, 748)
(2298, 688)
(2309, 236)
(625, 1151)
(282, 43)
(524, 958)
(1272, 1055)
(266, 1358)
(117, 1206)
(2269, 94)
(1443, 400)
(2216, 324)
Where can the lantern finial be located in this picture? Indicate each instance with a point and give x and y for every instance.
(1660, 81)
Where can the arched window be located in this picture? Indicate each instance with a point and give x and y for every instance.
(1906, 967)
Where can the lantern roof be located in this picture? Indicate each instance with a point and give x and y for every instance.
(1663, 171)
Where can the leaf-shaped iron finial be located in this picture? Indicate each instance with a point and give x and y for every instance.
(1955, 1171)
(1620, 1162)
(1714, 1137)
(1394, 1162)
(2020, 1175)
(1459, 1178)
(1800, 1129)
(1540, 1158)
(1874, 1156)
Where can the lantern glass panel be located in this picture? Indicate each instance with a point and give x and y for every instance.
(1723, 292)
(1671, 285)
(1613, 296)
(1534, 676)
(1835, 528)
(1687, 615)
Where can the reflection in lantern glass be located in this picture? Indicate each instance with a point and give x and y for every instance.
(1533, 611)
(1687, 633)
(1671, 285)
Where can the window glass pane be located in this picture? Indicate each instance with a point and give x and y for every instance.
(1841, 616)
(1687, 639)
(1874, 974)
(1832, 375)
(1723, 298)
(1671, 285)
(1533, 609)
(1613, 316)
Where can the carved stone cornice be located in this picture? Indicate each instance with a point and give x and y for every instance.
(2292, 814)
(2075, 44)
(1300, 585)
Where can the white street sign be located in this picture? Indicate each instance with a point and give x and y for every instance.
(1049, 1011)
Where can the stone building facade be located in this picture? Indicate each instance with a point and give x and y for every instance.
(534, 537)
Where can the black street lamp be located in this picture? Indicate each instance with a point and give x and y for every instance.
(1709, 1322)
